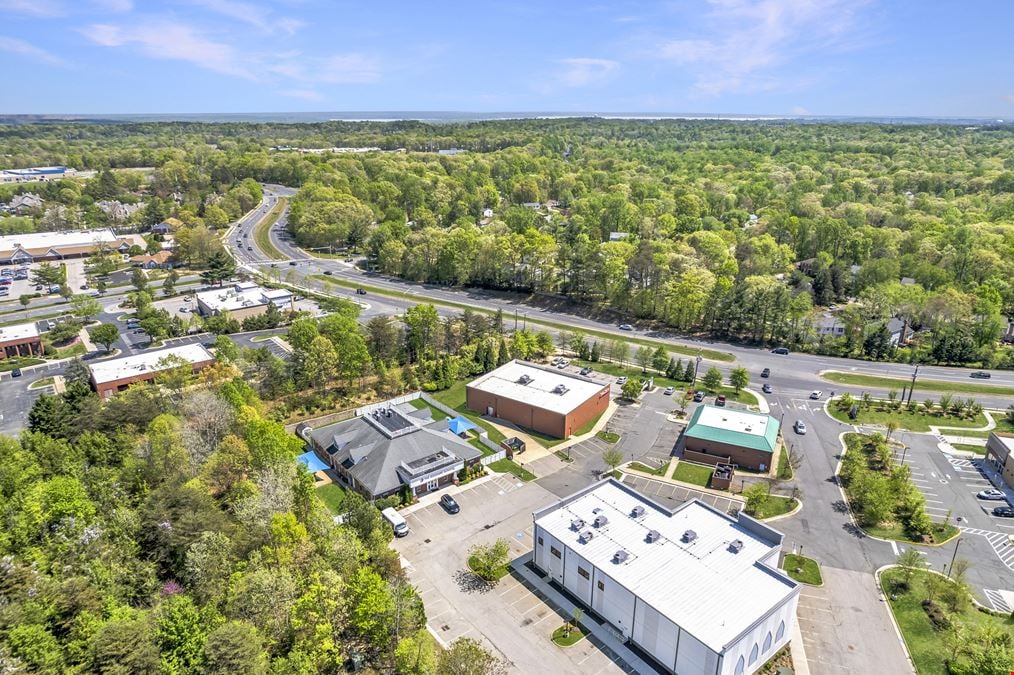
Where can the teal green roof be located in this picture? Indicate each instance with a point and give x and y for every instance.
(708, 430)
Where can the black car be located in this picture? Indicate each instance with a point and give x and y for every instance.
(292, 262)
(328, 273)
(780, 350)
(1003, 512)
(766, 372)
(981, 375)
(361, 291)
(449, 504)
(16, 372)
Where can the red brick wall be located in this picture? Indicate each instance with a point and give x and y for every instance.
(107, 389)
(744, 457)
(587, 411)
(531, 417)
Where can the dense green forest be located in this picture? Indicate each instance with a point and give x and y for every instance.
(746, 231)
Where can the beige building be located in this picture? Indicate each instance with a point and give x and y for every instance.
(243, 300)
(115, 375)
(999, 451)
(20, 340)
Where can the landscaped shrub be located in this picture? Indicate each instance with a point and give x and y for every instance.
(936, 614)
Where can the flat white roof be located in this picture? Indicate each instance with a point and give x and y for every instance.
(702, 586)
(506, 381)
(57, 239)
(18, 332)
(239, 296)
(147, 362)
(1006, 440)
(730, 419)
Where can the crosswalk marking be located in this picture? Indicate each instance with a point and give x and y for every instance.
(999, 542)
(997, 600)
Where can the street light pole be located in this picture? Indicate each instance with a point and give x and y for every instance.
(953, 556)
(697, 368)
(911, 388)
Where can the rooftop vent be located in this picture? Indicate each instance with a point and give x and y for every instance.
(560, 389)
(586, 536)
(689, 536)
(525, 379)
(620, 556)
(749, 429)
(653, 536)
(600, 521)
(576, 524)
(736, 545)
(637, 512)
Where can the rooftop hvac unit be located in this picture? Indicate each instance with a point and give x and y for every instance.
(525, 379)
(586, 536)
(600, 521)
(560, 389)
(736, 545)
(653, 536)
(620, 556)
(576, 524)
(689, 536)
(637, 512)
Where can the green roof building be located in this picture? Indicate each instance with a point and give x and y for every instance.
(746, 439)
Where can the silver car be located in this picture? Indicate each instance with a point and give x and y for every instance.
(800, 427)
(992, 494)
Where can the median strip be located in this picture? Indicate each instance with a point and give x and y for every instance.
(920, 384)
(262, 230)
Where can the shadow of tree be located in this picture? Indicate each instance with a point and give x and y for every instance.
(854, 530)
(840, 506)
(469, 582)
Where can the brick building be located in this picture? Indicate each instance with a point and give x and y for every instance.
(1000, 455)
(35, 246)
(746, 439)
(20, 340)
(540, 398)
(114, 375)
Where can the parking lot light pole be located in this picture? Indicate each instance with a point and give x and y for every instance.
(953, 556)
(911, 388)
(697, 368)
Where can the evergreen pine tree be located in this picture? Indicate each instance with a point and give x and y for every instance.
(596, 353)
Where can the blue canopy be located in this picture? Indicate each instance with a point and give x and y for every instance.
(460, 425)
(312, 461)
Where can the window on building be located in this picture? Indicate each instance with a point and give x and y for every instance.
(754, 653)
(740, 665)
(554, 551)
(767, 642)
(540, 541)
(432, 485)
(602, 586)
(583, 572)
(781, 631)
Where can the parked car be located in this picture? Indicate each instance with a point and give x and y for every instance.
(6, 281)
(981, 374)
(766, 388)
(184, 310)
(669, 391)
(626, 326)
(698, 396)
(991, 494)
(800, 427)
(586, 370)
(16, 372)
(396, 521)
(361, 291)
(720, 400)
(816, 394)
(84, 287)
(621, 380)
(563, 364)
(1003, 512)
(555, 361)
(449, 504)
(780, 350)
(766, 372)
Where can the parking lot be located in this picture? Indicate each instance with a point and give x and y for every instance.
(673, 495)
(508, 617)
(19, 287)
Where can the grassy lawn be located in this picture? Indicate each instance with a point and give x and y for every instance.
(39, 384)
(589, 425)
(688, 472)
(774, 505)
(926, 644)
(499, 574)
(802, 569)
(784, 468)
(608, 436)
(73, 350)
(562, 639)
(455, 398)
(918, 421)
(18, 362)
(925, 385)
(939, 534)
(977, 449)
(631, 371)
(332, 495)
(261, 231)
(1003, 426)
(683, 350)
(511, 467)
(419, 404)
(644, 468)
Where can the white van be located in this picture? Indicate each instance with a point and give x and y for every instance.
(396, 521)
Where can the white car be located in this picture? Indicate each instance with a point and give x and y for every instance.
(816, 394)
(800, 427)
(563, 364)
(992, 494)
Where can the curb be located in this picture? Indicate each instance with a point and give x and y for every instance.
(783, 516)
(890, 613)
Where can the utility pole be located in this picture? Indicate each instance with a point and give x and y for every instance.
(953, 556)
(911, 388)
(697, 368)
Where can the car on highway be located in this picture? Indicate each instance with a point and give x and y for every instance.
(816, 394)
(292, 263)
(621, 380)
(249, 248)
(669, 391)
(799, 427)
(766, 388)
(328, 273)
(626, 326)
(449, 504)
(780, 350)
(698, 396)
(766, 372)
(586, 371)
(720, 400)
(981, 375)
(360, 291)
(991, 494)
(1003, 512)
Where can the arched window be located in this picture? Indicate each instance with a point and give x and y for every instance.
(767, 642)
(740, 665)
(754, 653)
(781, 631)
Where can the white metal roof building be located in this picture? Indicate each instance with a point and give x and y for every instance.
(115, 375)
(21, 331)
(244, 297)
(696, 589)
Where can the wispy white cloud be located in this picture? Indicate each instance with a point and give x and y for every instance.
(305, 94)
(581, 72)
(257, 16)
(28, 50)
(1009, 97)
(746, 41)
(350, 68)
(43, 8)
(166, 39)
(117, 6)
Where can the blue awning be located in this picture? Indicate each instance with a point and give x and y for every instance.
(460, 425)
(312, 461)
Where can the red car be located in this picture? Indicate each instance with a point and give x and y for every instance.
(720, 400)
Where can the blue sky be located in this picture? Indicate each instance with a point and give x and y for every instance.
(820, 57)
